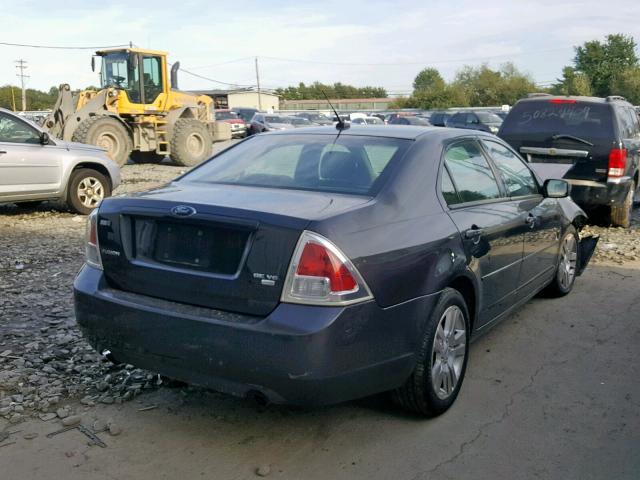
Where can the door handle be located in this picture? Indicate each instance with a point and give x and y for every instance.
(474, 233)
(2, 151)
(530, 220)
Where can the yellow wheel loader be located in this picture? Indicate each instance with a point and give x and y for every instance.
(138, 113)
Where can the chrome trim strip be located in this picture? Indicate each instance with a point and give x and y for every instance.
(619, 180)
(585, 183)
(555, 152)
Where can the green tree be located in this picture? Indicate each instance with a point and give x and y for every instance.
(337, 90)
(572, 83)
(627, 84)
(601, 62)
(484, 87)
(428, 79)
(36, 99)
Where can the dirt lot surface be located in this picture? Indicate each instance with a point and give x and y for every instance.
(551, 392)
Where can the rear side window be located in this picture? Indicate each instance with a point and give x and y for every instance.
(544, 118)
(448, 190)
(517, 178)
(628, 122)
(470, 172)
(326, 163)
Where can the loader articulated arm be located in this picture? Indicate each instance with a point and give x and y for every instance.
(65, 105)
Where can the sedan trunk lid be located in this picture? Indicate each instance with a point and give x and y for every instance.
(207, 245)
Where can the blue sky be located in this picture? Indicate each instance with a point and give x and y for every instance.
(372, 42)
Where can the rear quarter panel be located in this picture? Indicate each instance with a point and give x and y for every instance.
(403, 243)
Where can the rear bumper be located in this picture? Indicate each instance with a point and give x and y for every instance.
(590, 194)
(298, 354)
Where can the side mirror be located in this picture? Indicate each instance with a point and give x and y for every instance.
(44, 138)
(93, 64)
(556, 188)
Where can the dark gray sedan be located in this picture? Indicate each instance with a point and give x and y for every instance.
(317, 265)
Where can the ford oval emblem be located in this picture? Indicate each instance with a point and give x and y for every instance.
(183, 211)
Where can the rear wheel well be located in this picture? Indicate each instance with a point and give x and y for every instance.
(95, 166)
(468, 292)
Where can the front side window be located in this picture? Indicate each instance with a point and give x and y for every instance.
(152, 77)
(517, 178)
(470, 172)
(120, 70)
(13, 130)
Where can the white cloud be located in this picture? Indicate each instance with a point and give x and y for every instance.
(537, 35)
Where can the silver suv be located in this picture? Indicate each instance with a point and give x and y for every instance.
(34, 167)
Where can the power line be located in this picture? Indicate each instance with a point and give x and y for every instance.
(222, 63)
(424, 62)
(60, 47)
(213, 79)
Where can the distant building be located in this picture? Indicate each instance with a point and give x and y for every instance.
(338, 103)
(247, 98)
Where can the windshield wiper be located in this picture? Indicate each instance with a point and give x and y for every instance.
(571, 137)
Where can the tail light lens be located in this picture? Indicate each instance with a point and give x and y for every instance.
(92, 249)
(562, 100)
(320, 274)
(617, 162)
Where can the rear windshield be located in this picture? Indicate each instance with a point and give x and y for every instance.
(325, 163)
(486, 117)
(581, 119)
(226, 115)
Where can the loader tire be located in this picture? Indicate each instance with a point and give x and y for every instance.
(146, 157)
(191, 142)
(108, 133)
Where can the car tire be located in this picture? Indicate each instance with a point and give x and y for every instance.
(146, 157)
(87, 188)
(191, 142)
(108, 133)
(444, 349)
(621, 214)
(565, 276)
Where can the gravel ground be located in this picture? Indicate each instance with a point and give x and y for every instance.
(45, 364)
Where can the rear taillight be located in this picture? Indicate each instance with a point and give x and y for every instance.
(92, 249)
(320, 274)
(561, 100)
(617, 162)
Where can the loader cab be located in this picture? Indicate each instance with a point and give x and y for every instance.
(141, 76)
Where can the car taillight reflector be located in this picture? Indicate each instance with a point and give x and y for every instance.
(617, 162)
(562, 100)
(92, 249)
(317, 261)
(320, 274)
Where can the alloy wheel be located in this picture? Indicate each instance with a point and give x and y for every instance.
(90, 191)
(568, 262)
(448, 352)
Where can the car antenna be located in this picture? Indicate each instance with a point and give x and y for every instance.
(341, 125)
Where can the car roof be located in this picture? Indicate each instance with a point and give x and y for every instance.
(545, 98)
(408, 132)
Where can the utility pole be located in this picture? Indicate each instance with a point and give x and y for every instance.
(258, 82)
(21, 65)
(13, 98)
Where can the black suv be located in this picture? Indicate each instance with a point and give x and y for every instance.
(593, 143)
(484, 121)
(439, 119)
